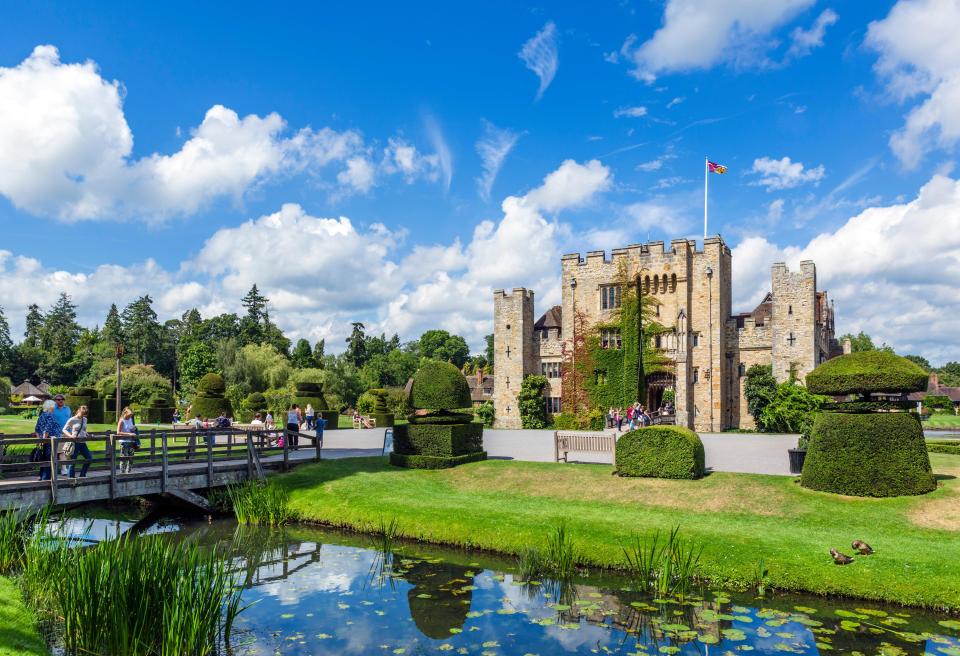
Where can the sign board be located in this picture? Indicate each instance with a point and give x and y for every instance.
(387, 441)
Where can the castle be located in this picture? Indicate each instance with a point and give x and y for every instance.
(709, 349)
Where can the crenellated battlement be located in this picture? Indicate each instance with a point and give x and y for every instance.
(658, 250)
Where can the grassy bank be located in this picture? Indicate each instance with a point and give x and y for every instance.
(506, 506)
(944, 421)
(18, 625)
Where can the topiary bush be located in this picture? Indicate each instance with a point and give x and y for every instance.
(436, 437)
(255, 403)
(310, 392)
(381, 413)
(78, 396)
(660, 452)
(209, 400)
(867, 372)
(868, 455)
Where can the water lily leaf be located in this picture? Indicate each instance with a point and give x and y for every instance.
(507, 611)
(380, 613)
(570, 626)
(886, 649)
(734, 634)
(786, 635)
(746, 619)
(445, 647)
(455, 629)
(595, 595)
(343, 606)
(400, 650)
(545, 621)
(490, 643)
(950, 624)
(763, 633)
(675, 627)
(424, 595)
(782, 646)
(740, 610)
(805, 609)
(846, 613)
(286, 616)
(848, 625)
(708, 639)
(949, 651)
(474, 613)
(872, 611)
(744, 647)
(668, 649)
(323, 636)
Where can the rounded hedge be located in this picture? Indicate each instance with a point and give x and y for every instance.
(868, 455)
(211, 385)
(866, 372)
(256, 402)
(660, 452)
(209, 401)
(439, 386)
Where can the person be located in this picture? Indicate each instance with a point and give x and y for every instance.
(222, 420)
(47, 427)
(62, 411)
(629, 417)
(76, 427)
(293, 423)
(610, 419)
(618, 417)
(309, 414)
(257, 421)
(127, 434)
(176, 416)
(268, 420)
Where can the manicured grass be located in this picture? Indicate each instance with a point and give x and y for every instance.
(942, 421)
(507, 506)
(18, 625)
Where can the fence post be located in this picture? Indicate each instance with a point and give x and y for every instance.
(153, 445)
(286, 449)
(249, 456)
(53, 470)
(112, 443)
(164, 462)
(209, 440)
(192, 443)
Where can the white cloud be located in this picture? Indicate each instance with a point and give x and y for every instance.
(803, 42)
(652, 165)
(403, 158)
(676, 101)
(698, 34)
(775, 211)
(892, 270)
(539, 53)
(66, 150)
(493, 148)
(784, 174)
(444, 157)
(920, 56)
(571, 185)
(631, 112)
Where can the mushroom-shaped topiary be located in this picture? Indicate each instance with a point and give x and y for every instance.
(212, 386)
(867, 372)
(210, 401)
(436, 437)
(857, 452)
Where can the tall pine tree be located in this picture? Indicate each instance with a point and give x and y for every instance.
(253, 324)
(6, 346)
(34, 326)
(112, 328)
(141, 330)
(58, 339)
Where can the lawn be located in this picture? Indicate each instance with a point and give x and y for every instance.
(739, 519)
(942, 421)
(18, 626)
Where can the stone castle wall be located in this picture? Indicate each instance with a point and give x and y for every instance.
(514, 351)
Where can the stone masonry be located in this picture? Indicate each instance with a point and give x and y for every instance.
(711, 349)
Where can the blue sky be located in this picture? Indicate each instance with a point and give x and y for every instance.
(145, 146)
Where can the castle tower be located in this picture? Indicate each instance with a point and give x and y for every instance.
(793, 321)
(514, 351)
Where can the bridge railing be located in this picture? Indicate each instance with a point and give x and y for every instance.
(154, 452)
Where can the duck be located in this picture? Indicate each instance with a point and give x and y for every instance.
(862, 547)
(840, 558)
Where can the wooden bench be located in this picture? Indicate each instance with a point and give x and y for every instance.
(364, 422)
(566, 442)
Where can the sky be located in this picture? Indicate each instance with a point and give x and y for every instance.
(393, 163)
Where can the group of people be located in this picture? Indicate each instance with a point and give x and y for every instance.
(57, 421)
(635, 416)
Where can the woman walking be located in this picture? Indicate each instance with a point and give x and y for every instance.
(47, 427)
(293, 423)
(76, 428)
(127, 434)
(310, 416)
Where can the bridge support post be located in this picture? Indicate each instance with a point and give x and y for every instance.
(164, 462)
(153, 446)
(286, 449)
(53, 471)
(249, 456)
(112, 445)
(210, 438)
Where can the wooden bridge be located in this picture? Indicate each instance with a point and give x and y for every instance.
(168, 462)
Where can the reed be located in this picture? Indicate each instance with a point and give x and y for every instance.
(760, 578)
(260, 503)
(386, 535)
(663, 567)
(558, 560)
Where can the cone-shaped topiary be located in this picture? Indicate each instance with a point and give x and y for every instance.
(311, 393)
(867, 372)
(437, 438)
(78, 396)
(256, 402)
(439, 386)
(869, 454)
(209, 400)
(381, 413)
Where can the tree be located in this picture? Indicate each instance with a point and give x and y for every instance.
(919, 360)
(302, 355)
(318, 352)
(342, 384)
(441, 345)
(259, 367)
(950, 374)
(252, 325)
(195, 362)
(139, 384)
(759, 390)
(141, 330)
(489, 353)
(34, 326)
(58, 338)
(112, 327)
(792, 409)
(274, 336)
(532, 403)
(6, 345)
(390, 370)
(357, 345)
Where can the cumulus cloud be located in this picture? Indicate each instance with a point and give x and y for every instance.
(784, 174)
(920, 56)
(698, 34)
(630, 112)
(493, 148)
(892, 270)
(539, 53)
(803, 42)
(66, 150)
(571, 185)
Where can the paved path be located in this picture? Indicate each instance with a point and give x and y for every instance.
(730, 452)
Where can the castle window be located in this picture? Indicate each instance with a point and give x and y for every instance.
(600, 377)
(658, 309)
(553, 404)
(696, 375)
(791, 340)
(742, 370)
(673, 283)
(789, 309)
(550, 369)
(696, 339)
(508, 326)
(646, 285)
(609, 297)
(656, 283)
(657, 341)
(610, 338)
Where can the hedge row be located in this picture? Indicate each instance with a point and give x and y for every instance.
(867, 372)
(434, 462)
(441, 440)
(944, 446)
(868, 455)
(660, 452)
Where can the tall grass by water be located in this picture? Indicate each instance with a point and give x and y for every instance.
(558, 560)
(663, 566)
(133, 596)
(15, 530)
(264, 504)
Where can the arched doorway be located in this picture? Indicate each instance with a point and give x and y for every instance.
(657, 384)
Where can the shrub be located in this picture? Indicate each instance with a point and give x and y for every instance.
(759, 389)
(365, 403)
(210, 400)
(434, 462)
(938, 402)
(791, 410)
(256, 402)
(566, 421)
(439, 386)
(310, 392)
(867, 372)
(868, 455)
(532, 403)
(944, 446)
(486, 413)
(660, 452)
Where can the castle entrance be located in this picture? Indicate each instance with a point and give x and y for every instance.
(657, 384)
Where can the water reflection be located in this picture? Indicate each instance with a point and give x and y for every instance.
(320, 592)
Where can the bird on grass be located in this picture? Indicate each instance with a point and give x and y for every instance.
(840, 558)
(862, 547)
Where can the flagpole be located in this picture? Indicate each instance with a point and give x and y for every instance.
(706, 178)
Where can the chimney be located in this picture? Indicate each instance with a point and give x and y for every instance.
(847, 346)
(933, 385)
(479, 377)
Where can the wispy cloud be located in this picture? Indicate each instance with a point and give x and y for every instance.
(804, 41)
(676, 101)
(435, 134)
(493, 147)
(630, 112)
(540, 56)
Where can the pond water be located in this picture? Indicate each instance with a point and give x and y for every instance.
(325, 592)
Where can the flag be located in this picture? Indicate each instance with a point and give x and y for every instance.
(716, 168)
